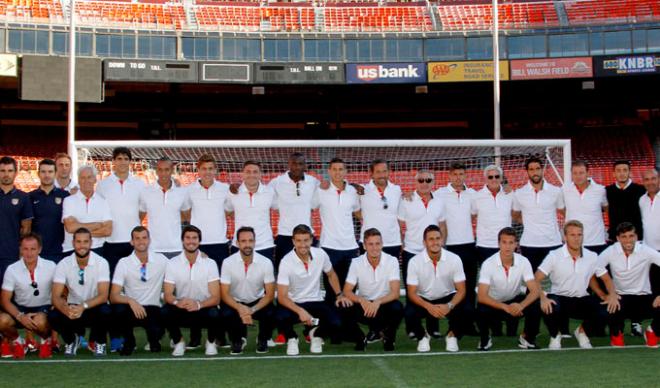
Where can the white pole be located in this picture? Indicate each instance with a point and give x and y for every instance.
(71, 132)
(496, 71)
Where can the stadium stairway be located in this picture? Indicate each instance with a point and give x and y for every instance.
(191, 19)
(561, 13)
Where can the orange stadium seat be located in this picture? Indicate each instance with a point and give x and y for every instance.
(612, 11)
(117, 13)
(465, 17)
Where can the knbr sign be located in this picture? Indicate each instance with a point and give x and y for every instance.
(466, 71)
(627, 65)
(552, 68)
(386, 73)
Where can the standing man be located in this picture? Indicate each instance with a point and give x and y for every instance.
(166, 206)
(80, 295)
(623, 198)
(47, 201)
(299, 295)
(650, 211)
(207, 198)
(15, 213)
(571, 269)
(63, 179)
(380, 207)
(376, 302)
(295, 192)
(248, 289)
(508, 292)
(25, 298)
(86, 209)
(492, 206)
(121, 191)
(251, 205)
(338, 204)
(436, 290)
(536, 205)
(586, 201)
(135, 293)
(191, 293)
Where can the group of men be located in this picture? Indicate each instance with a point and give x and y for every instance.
(85, 260)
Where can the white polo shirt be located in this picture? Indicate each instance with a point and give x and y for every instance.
(630, 274)
(67, 273)
(208, 210)
(304, 281)
(19, 281)
(373, 283)
(95, 209)
(493, 214)
(294, 201)
(336, 210)
(539, 213)
(191, 281)
(129, 276)
(246, 283)
(587, 207)
(458, 214)
(163, 210)
(650, 220)
(417, 217)
(569, 277)
(374, 215)
(123, 198)
(253, 209)
(504, 284)
(73, 184)
(435, 281)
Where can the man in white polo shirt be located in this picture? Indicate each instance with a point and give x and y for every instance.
(571, 269)
(295, 192)
(299, 295)
(650, 210)
(191, 293)
(247, 284)
(508, 292)
(338, 204)
(586, 201)
(536, 205)
(121, 191)
(86, 209)
(165, 205)
(492, 207)
(251, 206)
(135, 292)
(436, 290)
(80, 295)
(629, 262)
(207, 198)
(25, 298)
(376, 302)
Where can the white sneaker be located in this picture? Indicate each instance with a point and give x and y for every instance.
(452, 344)
(582, 338)
(211, 349)
(316, 343)
(292, 347)
(271, 343)
(424, 345)
(555, 342)
(172, 344)
(147, 347)
(179, 349)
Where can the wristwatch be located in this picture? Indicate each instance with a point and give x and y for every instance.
(85, 305)
(340, 293)
(176, 301)
(450, 305)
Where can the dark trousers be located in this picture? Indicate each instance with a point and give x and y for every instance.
(329, 320)
(586, 308)
(283, 245)
(485, 253)
(125, 321)
(488, 317)
(96, 318)
(536, 255)
(405, 258)
(268, 253)
(236, 328)
(597, 249)
(470, 257)
(113, 252)
(341, 261)
(415, 313)
(654, 275)
(387, 320)
(176, 318)
(636, 308)
(216, 252)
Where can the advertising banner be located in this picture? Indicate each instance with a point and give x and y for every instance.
(386, 73)
(466, 71)
(552, 68)
(618, 65)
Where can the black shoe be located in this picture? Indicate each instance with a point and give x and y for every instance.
(155, 347)
(236, 347)
(388, 345)
(373, 337)
(262, 346)
(435, 334)
(222, 342)
(361, 345)
(636, 329)
(193, 344)
(485, 344)
(127, 349)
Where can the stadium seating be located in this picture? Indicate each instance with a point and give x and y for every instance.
(165, 15)
(465, 17)
(612, 11)
(32, 10)
(251, 17)
(374, 18)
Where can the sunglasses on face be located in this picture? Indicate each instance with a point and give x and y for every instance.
(143, 272)
(36, 288)
(493, 177)
(81, 277)
(427, 180)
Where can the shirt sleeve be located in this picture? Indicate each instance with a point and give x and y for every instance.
(26, 211)
(67, 208)
(120, 274)
(106, 215)
(327, 265)
(169, 273)
(655, 256)
(185, 204)
(212, 272)
(394, 271)
(356, 201)
(316, 198)
(352, 273)
(60, 273)
(402, 210)
(603, 197)
(142, 201)
(229, 202)
(528, 273)
(516, 203)
(601, 264)
(547, 264)
(473, 205)
(9, 283)
(269, 276)
(225, 277)
(412, 278)
(104, 271)
(283, 274)
(459, 274)
(560, 200)
(484, 274)
(441, 212)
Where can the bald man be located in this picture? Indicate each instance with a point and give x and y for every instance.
(650, 211)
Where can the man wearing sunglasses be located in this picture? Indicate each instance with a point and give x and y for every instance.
(135, 293)
(80, 295)
(25, 298)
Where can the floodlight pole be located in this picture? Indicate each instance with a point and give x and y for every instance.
(71, 128)
(497, 129)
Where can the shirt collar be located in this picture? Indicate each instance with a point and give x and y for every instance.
(443, 255)
(545, 184)
(82, 196)
(288, 178)
(243, 189)
(90, 263)
(499, 260)
(565, 253)
(619, 248)
(452, 190)
(158, 187)
(201, 186)
(628, 183)
(115, 178)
